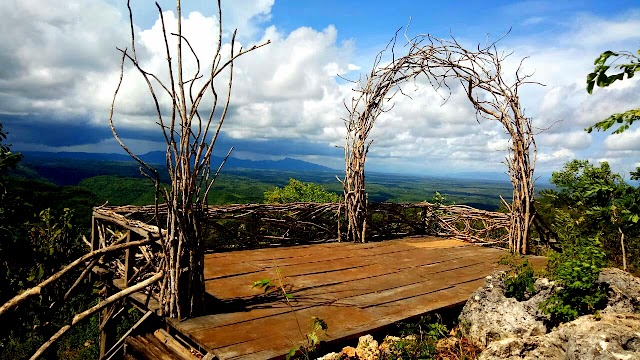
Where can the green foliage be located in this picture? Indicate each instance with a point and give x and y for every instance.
(590, 208)
(312, 339)
(432, 220)
(8, 159)
(600, 204)
(576, 268)
(242, 186)
(34, 250)
(577, 271)
(418, 340)
(264, 284)
(438, 199)
(520, 278)
(120, 190)
(33, 247)
(626, 118)
(599, 77)
(298, 191)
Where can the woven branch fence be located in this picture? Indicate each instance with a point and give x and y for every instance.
(234, 227)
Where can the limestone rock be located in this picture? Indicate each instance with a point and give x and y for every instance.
(623, 293)
(348, 352)
(613, 336)
(544, 288)
(367, 348)
(529, 348)
(388, 346)
(330, 356)
(492, 316)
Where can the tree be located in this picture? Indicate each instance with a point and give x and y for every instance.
(600, 202)
(8, 160)
(298, 191)
(190, 138)
(480, 72)
(599, 77)
(32, 248)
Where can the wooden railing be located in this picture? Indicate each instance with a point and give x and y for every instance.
(232, 227)
(110, 228)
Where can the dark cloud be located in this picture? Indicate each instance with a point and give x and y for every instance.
(52, 132)
(56, 133)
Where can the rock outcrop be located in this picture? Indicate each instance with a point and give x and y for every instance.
(623, 291)
(611, 336)
(493, 316)
(510, 329)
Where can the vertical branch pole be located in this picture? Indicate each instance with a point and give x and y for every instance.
(189, 146)
(372, 96)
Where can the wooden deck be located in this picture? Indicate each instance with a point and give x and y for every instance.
(355, 288)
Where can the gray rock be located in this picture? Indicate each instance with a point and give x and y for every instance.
(613, 336)
(623, 293)
(544, 288)
(492, 316)
(529, 348)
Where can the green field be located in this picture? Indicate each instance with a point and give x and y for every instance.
(120, 183)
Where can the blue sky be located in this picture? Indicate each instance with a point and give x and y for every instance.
(60, 68)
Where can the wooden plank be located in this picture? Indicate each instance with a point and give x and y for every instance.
(355, 288)
(300, 275)
(429, 285)
(324, 293)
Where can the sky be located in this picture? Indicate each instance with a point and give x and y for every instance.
(60, 67)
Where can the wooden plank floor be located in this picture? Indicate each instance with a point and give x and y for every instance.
(355, 288)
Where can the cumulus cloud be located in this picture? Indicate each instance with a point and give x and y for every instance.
(61, 67)
(46, 58)
(628, 140)
(558, 156)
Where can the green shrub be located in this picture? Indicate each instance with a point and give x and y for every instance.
(418, 340)
(519, 279)
(298, 191)
(576, 269)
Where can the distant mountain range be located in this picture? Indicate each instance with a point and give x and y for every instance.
(158, 157)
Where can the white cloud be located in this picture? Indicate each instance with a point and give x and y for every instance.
(576, 140)
(62, 62)
(556, 157)
(592, 31)
(628, 140)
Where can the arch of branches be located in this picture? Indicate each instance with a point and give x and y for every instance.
(444, 64)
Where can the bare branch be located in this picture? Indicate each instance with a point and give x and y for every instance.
(83, 315)
(38, 288)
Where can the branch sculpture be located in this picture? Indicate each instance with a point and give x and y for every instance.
(190, 138)
(495, 96)
(372, 95)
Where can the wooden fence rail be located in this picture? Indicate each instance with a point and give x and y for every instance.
(234, 227)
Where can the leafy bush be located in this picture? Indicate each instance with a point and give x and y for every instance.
(298, 191)
(576, 269)
(519, 279)
(418, 340)
(600, 204)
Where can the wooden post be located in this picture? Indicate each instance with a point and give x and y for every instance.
(129, 259)
(107, 330)
(95, 242)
